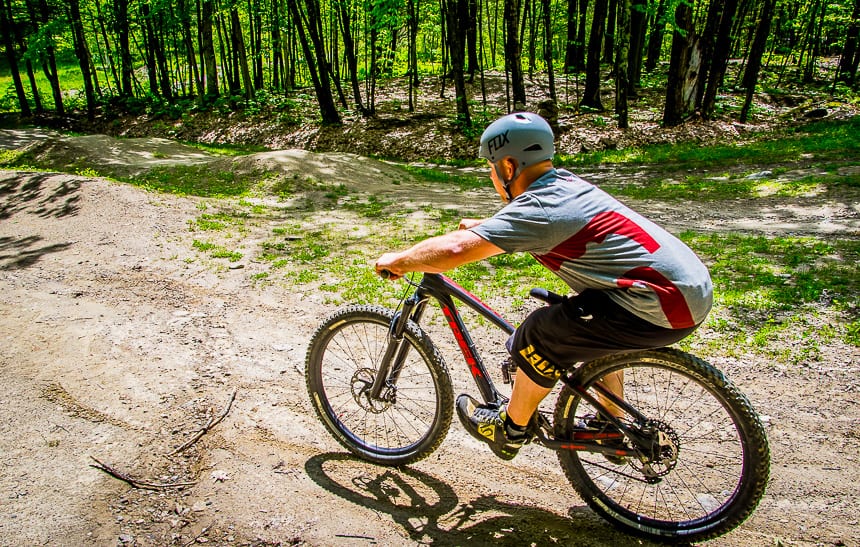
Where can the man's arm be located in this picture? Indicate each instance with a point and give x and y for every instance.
(438, 254)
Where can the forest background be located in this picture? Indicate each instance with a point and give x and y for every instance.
(106, 58)
(145, 304)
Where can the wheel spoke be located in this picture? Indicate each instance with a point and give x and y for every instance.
(403, 423)
(696, 467)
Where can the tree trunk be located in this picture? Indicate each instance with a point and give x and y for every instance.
(578, 61)
(513, 53)
(22, 48)
(319, 73)
(164, 78)
(472, 38)
(314, 27)
(207, 50)
(149, 50)
(720, 58)
(756, 53)
(570, 43)
(655, 39)
(529, 20)
(609, 34)
(240, 53)
(188, 44)
(412, 23)
(277, 46)
(591, 93)
(108, 52)
(255, 18)
(638, 22)
(622, 55)
(681, 86)
(345, 19)
(83, 54)
(49, 63)
(547, 47)
(456, 25)
(12, 59)
(126, 66)
(849, 58)
(815, 39)
(228, 60)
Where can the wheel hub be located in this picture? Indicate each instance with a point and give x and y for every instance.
(361, 383)
(661, 457)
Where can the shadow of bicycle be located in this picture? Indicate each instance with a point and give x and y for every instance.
(430, 512)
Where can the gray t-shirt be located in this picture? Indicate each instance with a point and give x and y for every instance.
(592, 241)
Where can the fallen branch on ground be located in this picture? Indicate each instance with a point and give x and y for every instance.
(196, 538)
(135, 482)
(209, 425)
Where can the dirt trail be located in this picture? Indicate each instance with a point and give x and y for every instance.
(116, 347)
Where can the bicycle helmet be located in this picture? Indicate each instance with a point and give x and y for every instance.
(523, 136)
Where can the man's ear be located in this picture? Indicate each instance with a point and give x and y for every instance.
(509, 167)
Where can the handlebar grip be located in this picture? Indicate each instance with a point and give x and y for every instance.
(385, 274)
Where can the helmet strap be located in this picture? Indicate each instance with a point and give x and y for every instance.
(506, 183)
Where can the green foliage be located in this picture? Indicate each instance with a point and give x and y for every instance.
(195, 180)
(770, 288)
(446, 176)
(813, 142)
(217, 251)
(700, 188)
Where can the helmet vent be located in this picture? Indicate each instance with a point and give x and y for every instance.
(533, 148)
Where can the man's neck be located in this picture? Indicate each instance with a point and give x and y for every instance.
(529, 175)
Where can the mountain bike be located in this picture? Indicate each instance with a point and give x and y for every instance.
(677, 455)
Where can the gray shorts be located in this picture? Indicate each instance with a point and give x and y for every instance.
(582, 328)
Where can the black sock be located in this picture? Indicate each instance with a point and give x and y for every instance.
(513, 430)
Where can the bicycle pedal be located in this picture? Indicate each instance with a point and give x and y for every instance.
(509, 368)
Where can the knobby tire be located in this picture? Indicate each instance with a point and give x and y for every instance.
(343, 358)
(723, 459)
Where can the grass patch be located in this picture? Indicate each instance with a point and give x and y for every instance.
(441, 176)
(218, 221)
(781, 296)
(373, 207)
(216, 251)
(196, 180)
(825, 140)
(762, 273)
(699, 188)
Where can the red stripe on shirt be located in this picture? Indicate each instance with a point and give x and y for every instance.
(602, 225)
(672, 301)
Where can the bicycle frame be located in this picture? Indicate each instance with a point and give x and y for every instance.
(445, 291)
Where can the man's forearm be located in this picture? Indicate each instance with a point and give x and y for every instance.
(439, 254)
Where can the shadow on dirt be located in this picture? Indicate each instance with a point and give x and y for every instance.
(430, 513)
(17, 254)
(48, 195)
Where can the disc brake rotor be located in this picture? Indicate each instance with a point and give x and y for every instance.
(361, 383)
(662, 457)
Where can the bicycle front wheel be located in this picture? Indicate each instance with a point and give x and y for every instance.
(708, 468)
(410, 419)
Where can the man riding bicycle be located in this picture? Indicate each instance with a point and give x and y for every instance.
(636, 285)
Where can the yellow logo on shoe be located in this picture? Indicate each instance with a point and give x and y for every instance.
(487, 430)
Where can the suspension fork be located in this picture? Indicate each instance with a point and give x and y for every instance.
(392, 360)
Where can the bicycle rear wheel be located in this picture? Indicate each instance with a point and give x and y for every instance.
(411, 419)
(713, 470)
